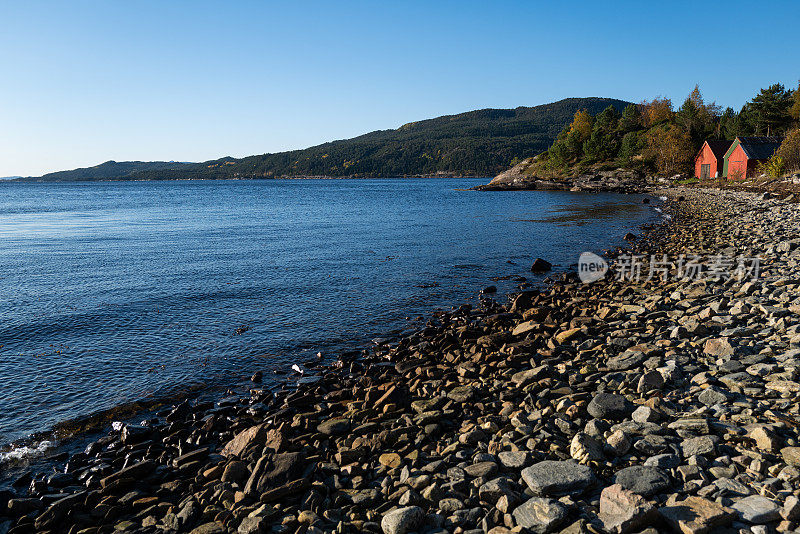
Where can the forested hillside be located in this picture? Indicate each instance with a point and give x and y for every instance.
(652, 137)
(110, 170)
(476, 143)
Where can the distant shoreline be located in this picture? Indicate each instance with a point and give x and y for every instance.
(242, 179)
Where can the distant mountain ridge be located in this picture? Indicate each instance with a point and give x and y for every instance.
(475, 143)
(110, 170)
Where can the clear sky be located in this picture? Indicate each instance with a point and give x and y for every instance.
(84, 82)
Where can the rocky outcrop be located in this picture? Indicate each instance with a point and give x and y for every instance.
(521, 177)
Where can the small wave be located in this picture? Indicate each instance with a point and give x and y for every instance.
(658, 210)
(23, 453)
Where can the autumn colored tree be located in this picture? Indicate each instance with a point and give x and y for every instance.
(581, 125)
(569, 144)
(656, 111)
(670, 148)
(794, 111)
(789, 152)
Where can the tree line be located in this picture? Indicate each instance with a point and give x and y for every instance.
(653, 136)
(475, 143)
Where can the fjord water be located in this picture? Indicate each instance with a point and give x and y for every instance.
(115, 292)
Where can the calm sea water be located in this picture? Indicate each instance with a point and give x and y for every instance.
(113, 292)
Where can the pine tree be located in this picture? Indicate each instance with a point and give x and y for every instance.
(631, 119)
(771, 109)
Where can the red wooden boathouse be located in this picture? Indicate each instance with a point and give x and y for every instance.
(745, 153)
(710, 161)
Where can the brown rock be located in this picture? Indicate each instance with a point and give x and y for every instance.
(390, 460)
(696, 515)
(623, 511)
(566, 335)
(765, 439)
(718, 347)
(243, 440)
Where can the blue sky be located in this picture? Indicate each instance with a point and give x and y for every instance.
(85, 82)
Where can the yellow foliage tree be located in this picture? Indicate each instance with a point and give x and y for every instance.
(657, 111)
(581, 125)
(788, 154)
(794, 111)
(670, 149)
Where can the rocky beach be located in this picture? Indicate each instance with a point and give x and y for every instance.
(659, 404)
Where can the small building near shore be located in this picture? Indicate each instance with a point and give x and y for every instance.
(710, 160)
(745, 153)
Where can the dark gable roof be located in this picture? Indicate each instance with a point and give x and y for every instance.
(719, 147)
(760, 147)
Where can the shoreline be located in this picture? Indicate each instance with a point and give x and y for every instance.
(250, 178)
(448, 429)
(77, 424)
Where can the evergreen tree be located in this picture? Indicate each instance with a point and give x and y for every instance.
(630, 147)
(700, 120)
(688, 118)
(727, 124)
(771, 109)
(631, 119)
(607, 119)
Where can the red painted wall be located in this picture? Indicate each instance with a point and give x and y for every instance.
(706, 156)
(737, 164)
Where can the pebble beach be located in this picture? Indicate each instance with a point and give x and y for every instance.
(657, 404)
